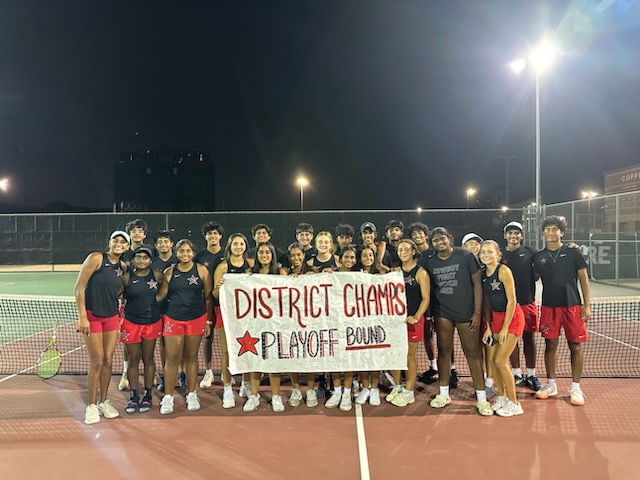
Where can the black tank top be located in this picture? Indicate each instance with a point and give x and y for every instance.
(101, 294)
(412, 289)
(186, 300)
(233, 269)
(494, 289)
(321, 266)
(141, 307)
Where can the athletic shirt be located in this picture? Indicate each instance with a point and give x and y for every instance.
(141, 307)
(451, 285)
(101, 294)
(520, 261)
(186, 300)
(159, 264)
(494, 289)
(233, 269)
(331, 263)
(412, 290)
(211, 261)
(391, 258)
(559, 273)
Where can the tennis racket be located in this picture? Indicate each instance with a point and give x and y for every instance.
(50, 360)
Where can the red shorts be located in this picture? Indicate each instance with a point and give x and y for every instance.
(531, 318)
(551, 318)
(415, 332)
(218, 317)
(517, 322)
(102, 324)
(134, 333)
(189, 328)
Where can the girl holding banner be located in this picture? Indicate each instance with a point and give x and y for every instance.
(266, 264)
(339, 397)
(235, 254)
(299, 267)
(417, 288)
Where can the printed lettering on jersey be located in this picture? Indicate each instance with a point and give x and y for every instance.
(335, 322)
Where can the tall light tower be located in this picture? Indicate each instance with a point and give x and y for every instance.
(302, 182)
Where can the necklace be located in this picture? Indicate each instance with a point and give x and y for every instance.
(553, 257)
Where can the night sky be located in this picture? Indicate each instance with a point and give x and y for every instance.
(382, 104)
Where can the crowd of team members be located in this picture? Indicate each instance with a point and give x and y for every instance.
(146, 293)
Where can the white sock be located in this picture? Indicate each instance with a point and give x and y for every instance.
(551, 381)
(434, 364)
(347, 392)
(453, 366)
(531, 372)
(575, 385)
(338, 390)
(488, 382)
(444, 391)
(125, 366)
(209, 371)
(517, 371)
(227, 388)
(481, 395)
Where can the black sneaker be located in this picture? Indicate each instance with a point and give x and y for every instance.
(454, 381)
(160, 385)
(533, 383)
(520, 381)
(182, 379)
(429, 377)
(132, 405)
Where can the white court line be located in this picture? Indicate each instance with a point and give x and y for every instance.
(13, 375)
(362, 445)
(7, 284)
(613, 339)
(27, 336)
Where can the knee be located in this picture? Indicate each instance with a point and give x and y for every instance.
(95, 363)
(106, 362)
(190, 357)
(551, 345)
(575, 347)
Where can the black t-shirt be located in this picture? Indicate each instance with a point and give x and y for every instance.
(209, 260)
(390, 258)
(520, 261)
(559, 273)
(412, 290)
(451, 285)
(424, 256)
(162, 265)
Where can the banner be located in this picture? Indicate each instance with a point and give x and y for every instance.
(327, 322)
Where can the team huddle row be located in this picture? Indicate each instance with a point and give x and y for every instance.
(171, 293)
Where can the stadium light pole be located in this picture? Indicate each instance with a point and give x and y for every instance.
(540, 59)
(302, 182)
(470, 193)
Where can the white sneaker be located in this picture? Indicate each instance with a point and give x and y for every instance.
(498, 403)
(440, 401)
(207, 380)
(251, 405)
(91, 414)
(363, 396)
(334, 400)
(356, 386)
(404, 398)
(392, 394)
(374, 397)
(245, 390)
(124, 382)
(484, 408)
(345, 403)
(547, 390)
(166, 405)
(106, 410)
(312, 398)
(510, 409)
(193, 403)
(295, 398)
(276, 403)
(228, 398)
(577, 397)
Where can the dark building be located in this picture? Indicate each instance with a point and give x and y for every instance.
(164, 179)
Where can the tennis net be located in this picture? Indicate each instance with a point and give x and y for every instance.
(27, 323)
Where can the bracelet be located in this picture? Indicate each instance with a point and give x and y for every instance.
(209, 322)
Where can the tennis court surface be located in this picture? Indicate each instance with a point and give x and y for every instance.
(42, 434)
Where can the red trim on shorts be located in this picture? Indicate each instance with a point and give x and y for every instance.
(102, 324)
(517, 322)
(552, 318)
(415, 332)
(134, 333)
(531, 317)
(189, 328)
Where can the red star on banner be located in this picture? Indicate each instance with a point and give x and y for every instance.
(247, 344)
